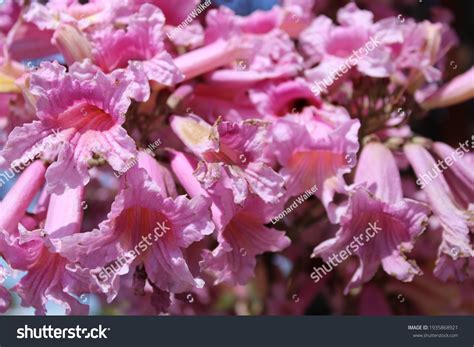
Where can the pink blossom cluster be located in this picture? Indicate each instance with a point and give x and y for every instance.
(230, 100)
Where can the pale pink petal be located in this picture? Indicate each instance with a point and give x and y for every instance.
(454, 220)
(458, 90)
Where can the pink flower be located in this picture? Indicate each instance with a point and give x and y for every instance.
(72, 44)
(144, 227)
(231, 150)
(175, 13)
(50, 276)
(57, 12)
(141, 44)
(297, 15)
(292, 18)
(243, 238)
(210, 57)
(224, 23)
(258, 22)
(254, 115)
(424, 44)
(280, 99)
(391, 223)
(14, 109)
(9, 13)
(316, 148)
(408, 52)
(81, 112)
(269, 56)
(49, 16)
(332, 45)
(458, 174)
(27, 42)
(230, 102)
(190, 37)
(242, 234)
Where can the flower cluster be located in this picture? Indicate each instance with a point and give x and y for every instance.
(244, 132)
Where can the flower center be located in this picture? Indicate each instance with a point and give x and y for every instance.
(83, 117)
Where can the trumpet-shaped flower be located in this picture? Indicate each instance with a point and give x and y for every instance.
(145, 227)
(232, 150)
(81, 112)
(391, 223)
